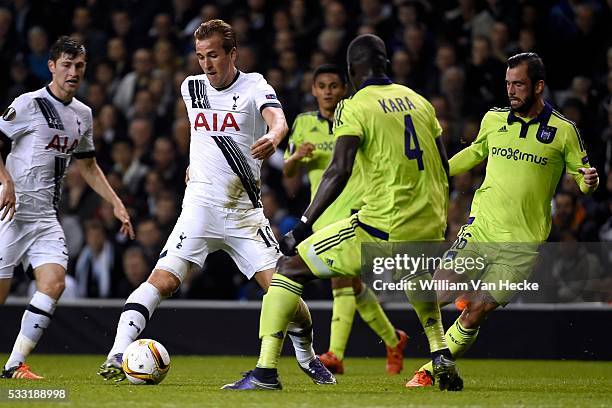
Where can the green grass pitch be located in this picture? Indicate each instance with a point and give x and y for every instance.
(194, 381)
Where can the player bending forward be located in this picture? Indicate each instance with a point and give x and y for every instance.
(229, 112)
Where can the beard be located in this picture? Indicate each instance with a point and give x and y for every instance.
(526, 105)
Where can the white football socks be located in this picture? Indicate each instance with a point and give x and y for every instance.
(138, 309)
(35, 320)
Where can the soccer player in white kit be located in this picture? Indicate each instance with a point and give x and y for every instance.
(45, 128)
(236, 122)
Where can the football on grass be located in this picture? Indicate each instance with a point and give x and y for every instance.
(146, 361)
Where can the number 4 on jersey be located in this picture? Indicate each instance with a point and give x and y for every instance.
(410, 134)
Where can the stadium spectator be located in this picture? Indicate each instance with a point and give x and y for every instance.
(117, 54)
(140, 131)
(570, 217)
(95, 40)
(39, 53)
(445, 58)
(402, 68)
(485, 77)
(96, 97)
(458, 25)
(148, 236)
(165, 163)
(135, 269)
(577, 273)
(500, 41)
(127, 165)
(134, 81)
(98, 263)
(166, 212)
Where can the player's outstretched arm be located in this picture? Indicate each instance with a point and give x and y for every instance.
(474, 154)
(93, 175)
(7, 195)
(464, 161)
(265, 146)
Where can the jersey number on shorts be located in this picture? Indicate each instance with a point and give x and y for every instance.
(410, 134)
(268, 237)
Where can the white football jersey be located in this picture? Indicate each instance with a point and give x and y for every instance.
(224, 124)
(45, 133)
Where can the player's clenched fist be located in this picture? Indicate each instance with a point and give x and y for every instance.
(591, 178)
(7, 200)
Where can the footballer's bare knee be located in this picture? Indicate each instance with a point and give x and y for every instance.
(264, 277)
(294, 268)
(50, 280)
(164, 281)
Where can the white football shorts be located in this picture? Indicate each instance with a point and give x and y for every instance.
(245, 234)
(31, 243)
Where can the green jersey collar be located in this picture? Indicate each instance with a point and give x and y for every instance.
(383, 80)
(329, 122)
(542, 117)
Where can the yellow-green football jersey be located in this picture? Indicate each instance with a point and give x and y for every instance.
(405, 185)
(525, 162)
(311, 127)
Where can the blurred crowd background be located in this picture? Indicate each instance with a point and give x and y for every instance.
(139, 51)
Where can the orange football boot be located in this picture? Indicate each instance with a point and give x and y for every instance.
(22, 371)
(421, 379)
(395, 355)
(332, 363)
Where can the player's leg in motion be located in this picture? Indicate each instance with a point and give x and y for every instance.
(427, 309)
(461, 335)
(343, 312)
(279, 306)
(300, 332)
(372, 313)
(137, 311)
(50, 283)
(349, 292)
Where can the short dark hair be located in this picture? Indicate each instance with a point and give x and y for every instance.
(211, 27)
(535, 67)
(66, 45)
(330, 69)
(368, 49)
